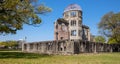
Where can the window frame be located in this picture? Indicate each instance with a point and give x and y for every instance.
(73, 32)
(73, 14)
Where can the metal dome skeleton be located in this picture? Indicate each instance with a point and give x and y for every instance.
(73, 7)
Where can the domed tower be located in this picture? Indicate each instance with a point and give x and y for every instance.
(70, 26)
(73, 14)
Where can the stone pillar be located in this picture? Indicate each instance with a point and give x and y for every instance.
(72, 47)
(34, 47)
(95, 48)
(111, 49)
(88, 34)
(39, 47)
(43, 47)
(62, 46)
(23, 47)
(28, 47)
(82, 50)
(56, 47)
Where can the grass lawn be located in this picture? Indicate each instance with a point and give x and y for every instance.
(29, 58)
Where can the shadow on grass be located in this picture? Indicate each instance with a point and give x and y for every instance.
(6, 55)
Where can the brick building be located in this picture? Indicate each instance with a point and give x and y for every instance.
(71, 37)
(71, 26)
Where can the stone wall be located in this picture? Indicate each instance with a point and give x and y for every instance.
(49, 47)
(69, 47)
(61, 29)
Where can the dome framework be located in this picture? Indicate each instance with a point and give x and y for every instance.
(73, 7)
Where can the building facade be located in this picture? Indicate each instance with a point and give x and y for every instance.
(71, 37)
(70, 26)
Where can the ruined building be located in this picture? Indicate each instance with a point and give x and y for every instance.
(71, 37)
(70, 26)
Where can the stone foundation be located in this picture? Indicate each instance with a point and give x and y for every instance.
(69, 47)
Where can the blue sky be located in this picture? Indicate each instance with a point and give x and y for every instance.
(93, 10)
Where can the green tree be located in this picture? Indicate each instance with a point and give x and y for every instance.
(111, 41)
(100, 39)
(15, 13)
(110, 26)
(11, 44)
(3, 43)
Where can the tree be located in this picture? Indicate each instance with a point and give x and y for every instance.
(3, 43)
(110, 26)
(111, 41)
(100, 39)
(11, 44)
(15, 13)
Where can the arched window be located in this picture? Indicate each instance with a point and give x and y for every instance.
(73, 22)
(73, 33)
(73, 14)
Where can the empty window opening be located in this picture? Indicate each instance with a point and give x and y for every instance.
(73, 14)
(73, 33)
(61, 38)
(73, 22)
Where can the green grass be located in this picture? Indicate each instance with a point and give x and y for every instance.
(29, 58)
(10, 49)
